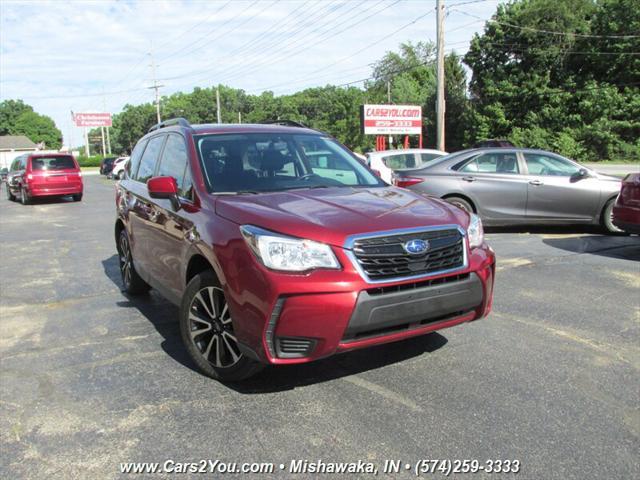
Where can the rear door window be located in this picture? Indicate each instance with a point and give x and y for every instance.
(134, 161)
(493, 163)
(174, 159)
(149, 159)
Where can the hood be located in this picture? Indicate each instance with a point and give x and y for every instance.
(329, 215)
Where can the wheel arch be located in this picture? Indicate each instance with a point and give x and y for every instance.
(464, 197)
(198, 263)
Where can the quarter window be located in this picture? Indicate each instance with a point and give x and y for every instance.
(538, 164)
(150, 159)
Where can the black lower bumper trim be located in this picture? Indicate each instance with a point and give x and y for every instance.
(405, 309)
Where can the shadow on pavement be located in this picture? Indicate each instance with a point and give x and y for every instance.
(623, 247)
(163, 315)
(546, 229)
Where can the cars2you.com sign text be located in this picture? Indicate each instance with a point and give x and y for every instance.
(391, 119)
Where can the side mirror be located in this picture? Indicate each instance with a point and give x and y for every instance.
(580, 174)
(164, 187)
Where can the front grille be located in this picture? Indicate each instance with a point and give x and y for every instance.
(423, 283)
(294, 347)
(384, 258)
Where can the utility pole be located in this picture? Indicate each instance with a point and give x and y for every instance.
(440, 106)
(218, 104)
(239, 117)
(86, 142)
(104, 109)
(389, 92)
(104, 149)
(156, 87)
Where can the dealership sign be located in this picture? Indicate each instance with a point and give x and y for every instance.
(92, 119)
(391, 119)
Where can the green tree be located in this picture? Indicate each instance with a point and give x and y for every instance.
(18, 118)
(554, 75)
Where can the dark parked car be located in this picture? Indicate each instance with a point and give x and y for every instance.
(494, 143)
(3, 174)
(106, 165)
(626, 211)
(44, 175)
(507, 186)
(279, 247)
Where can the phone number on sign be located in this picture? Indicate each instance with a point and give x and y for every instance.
(447, 467)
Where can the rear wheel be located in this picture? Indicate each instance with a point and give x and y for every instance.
(24, 198)
(10, 196)
(606, 219)
(460, 203)
(120, 174)
(132, 282)
(207, 331)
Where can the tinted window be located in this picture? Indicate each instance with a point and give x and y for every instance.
(134, 161)
(538, 164)
(174, 159)
(52, 163)
(275, 162)
(492, 163)
(149, 159)
(398, 162)
(427, 157)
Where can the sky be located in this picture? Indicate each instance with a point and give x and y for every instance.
(94, 56)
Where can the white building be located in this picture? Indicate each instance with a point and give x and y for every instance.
(12, 146)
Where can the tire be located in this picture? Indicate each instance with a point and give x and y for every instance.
(77, 197)
(10, 196)
(132, 283)
(207, 331)
(460, 203)
(24, 198)
(606, 219)
(120, 174)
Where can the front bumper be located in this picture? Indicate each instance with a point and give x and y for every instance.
(284, 319)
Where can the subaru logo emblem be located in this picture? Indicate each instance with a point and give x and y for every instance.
(416, 246)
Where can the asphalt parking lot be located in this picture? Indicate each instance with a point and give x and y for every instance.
(90, 378)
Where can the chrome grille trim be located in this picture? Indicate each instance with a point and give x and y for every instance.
(351, 240)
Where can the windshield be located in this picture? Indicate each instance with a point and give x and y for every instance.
(53, 163)
(268, 162)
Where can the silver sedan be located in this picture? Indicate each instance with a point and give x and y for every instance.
(509, 186)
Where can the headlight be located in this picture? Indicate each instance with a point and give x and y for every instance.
(287, 253)
(475, 231)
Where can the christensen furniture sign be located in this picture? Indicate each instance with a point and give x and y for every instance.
(92, 119)
(391, 119)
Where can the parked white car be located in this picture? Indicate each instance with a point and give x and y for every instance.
(118, 167)
(388, 161)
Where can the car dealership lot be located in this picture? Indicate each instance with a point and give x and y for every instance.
(90, 378)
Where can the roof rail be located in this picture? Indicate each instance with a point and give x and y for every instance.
(287, 123)
(183, 122)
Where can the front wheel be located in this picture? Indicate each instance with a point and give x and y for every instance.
(607, 218)
(132, 282)
(207, 331)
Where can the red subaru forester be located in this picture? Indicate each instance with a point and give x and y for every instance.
(279, 247)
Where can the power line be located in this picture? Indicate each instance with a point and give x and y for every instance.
(550, 32)
(361, 50)
(325, 35)
(310, 18)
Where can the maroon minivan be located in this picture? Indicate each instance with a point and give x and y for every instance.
(44, 174)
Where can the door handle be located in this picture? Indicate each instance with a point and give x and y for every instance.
(536, 182)
(468, 179)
